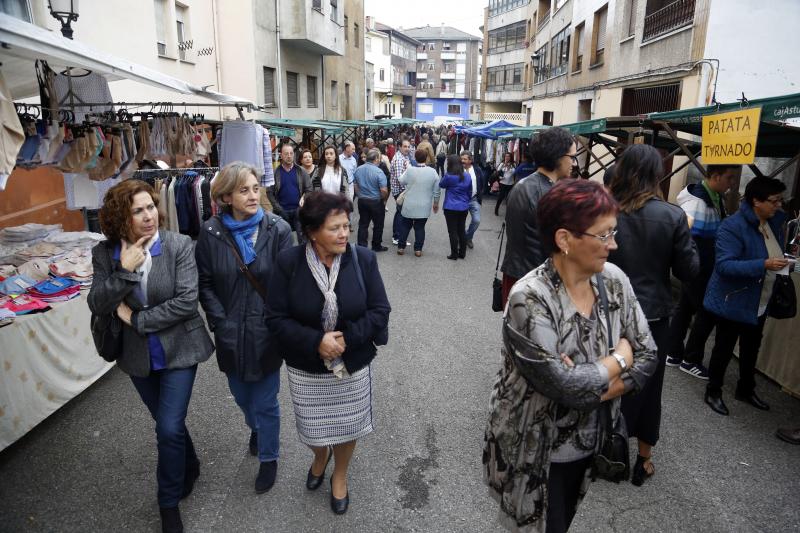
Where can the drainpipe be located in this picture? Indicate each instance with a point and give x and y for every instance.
(214, 22)
(324, 86)
(279, 69)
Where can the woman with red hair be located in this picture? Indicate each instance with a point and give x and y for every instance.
(559, 380)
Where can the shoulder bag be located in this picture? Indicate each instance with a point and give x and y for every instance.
(107, 331)
(497, 284)
(784, 299)
(612, 462)
(382, 338)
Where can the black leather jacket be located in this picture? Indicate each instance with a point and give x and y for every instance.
(523, 248)
(652, 241)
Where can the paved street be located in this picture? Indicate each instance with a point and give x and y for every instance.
(90, 466)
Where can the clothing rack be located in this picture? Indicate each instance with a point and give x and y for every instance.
(178, 170)
(161, 106)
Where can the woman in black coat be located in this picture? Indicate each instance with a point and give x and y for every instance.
(653, 238)
(327, 309)
(235, 309)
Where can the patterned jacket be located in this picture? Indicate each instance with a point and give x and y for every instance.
(538, 402)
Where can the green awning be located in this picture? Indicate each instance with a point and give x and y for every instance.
(304, 124)
(279, 131)
(777, 108)
(587, 126)
(521, 132)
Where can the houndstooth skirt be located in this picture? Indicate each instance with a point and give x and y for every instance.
(329, 410)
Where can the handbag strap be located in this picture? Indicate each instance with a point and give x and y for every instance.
(246, 271)
(601, 289)
(500, 250)
(357, 267)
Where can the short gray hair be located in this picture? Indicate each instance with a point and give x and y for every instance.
(369, 140)
(349, 143)
(374, 155)
(467, 153)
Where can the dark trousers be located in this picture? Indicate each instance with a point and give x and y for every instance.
(370, 211)
(290, 216)
(563, 489)
(690, 305)
(166, 394)
(504, 190)
(258, 400)
(642, 411)
(440, 165)
(419, 232)
(749, 337)
(396, 221)
(456, 230)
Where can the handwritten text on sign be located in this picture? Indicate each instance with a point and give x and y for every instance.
(730, 138)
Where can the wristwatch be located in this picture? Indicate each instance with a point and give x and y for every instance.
(621, 360)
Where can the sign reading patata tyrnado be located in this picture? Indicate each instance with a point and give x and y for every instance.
(730, 138)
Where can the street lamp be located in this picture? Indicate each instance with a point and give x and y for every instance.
(65, 11)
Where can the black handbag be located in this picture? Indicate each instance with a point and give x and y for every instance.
(497, 284)
(612, 462)
(107, 336)
(784, 298)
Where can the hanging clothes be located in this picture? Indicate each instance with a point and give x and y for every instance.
(90, 88)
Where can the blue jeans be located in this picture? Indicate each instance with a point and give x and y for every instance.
(474, 216)
(166, 393)
(419, 232)
(396, 221)
(258, 400)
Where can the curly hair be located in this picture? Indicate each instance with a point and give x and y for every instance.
(549, 146)
(317, 206)
(115, 215)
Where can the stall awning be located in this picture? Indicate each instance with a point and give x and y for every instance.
(518, 132)
(587, 126)
(776, 108)
(23, 43)
(329, 129)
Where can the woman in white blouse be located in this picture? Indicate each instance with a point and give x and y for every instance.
(330, 176)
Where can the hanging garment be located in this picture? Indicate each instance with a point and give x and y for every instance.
(268, 179)
(241, 141)
(89, 89)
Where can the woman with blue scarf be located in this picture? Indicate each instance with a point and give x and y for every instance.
(235, 254)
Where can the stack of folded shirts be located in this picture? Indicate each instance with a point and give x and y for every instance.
(55, 290)
(8, 253)
(16, 285)
(38, 269)
(6, 316)
(6, 271)
(70, 240)
(42, 250)
(28, 233)
(76, 265)
(23, 304)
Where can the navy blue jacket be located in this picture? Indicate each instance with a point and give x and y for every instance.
(459, 193)
(294, 309)
(734, 290)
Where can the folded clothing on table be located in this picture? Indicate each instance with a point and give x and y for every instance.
(23, 304)
(18, 284)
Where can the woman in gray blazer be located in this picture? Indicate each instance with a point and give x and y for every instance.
(148, 277)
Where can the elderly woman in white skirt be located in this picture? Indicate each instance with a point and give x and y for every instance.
(327, 308)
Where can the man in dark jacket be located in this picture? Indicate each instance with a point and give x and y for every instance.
(478, 184)
(555, 152)
(291, 183)
(705, 208)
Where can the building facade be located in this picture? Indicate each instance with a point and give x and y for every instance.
(377, 52)
(447, 73)
(345, 74)
(400, 101)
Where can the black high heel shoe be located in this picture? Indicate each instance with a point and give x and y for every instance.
(339, 506)
(313, 482)
(640, 473)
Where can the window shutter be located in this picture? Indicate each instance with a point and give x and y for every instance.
(269, 86)
(632, 18)
(311, 90)
(601, 30)
(292, 99)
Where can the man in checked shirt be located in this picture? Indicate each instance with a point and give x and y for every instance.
(400, 163)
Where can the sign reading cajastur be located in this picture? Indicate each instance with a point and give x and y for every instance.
(730, 138)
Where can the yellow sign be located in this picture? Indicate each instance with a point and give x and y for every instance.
(730, 138)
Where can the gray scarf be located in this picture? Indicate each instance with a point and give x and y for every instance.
(330, 310)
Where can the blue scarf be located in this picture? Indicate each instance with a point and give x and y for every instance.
(242, 232)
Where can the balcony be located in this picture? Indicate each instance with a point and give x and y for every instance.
(421, 56)
(448, 56)
(544, 19)
(310, 29)
(669, 18)
(422, 75)
(448, 75)
(447, 94)
(422, 94)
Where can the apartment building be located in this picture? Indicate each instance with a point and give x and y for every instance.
(377, 52)
(447, 73)
(344, 75)
(400, 101)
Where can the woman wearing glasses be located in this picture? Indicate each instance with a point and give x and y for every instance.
(559, 378)
(749, 253)
(654, 238)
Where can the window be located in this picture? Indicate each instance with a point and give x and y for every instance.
(631, 16)
(412, 78)
(547, 118)
(355, 34)
(643, 100)
(335, 10)
(454, 109)
(510, 37)
(346, 29)
(292, 98)
(369, 100)
(394, 109)
(311, 91)
(431, 46)
(368, 44)
(599, 35)
(382, 74)
(577, 60)
(316, 4)
(334, 94)
(504, 77)
(501, 6)
(161, 31)
(431, 66)
(347, 100)
(17, 9)
(426, 109)
(559, 53)
(540, 71)
(181, 17)
(269, 87)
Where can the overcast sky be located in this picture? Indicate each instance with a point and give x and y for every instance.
(466, 15)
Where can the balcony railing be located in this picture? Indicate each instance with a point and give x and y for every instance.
(671, 17)
(543, 20)
(447, 56)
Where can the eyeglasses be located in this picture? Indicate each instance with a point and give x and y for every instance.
(611, 235)
(573, 157)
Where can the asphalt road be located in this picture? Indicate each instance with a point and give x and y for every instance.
(90, 466)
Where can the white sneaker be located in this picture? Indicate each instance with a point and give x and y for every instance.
(395, 242)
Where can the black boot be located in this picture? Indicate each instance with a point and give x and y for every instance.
(253, 445)
(715, 402)
(171, 520)
(191, 475)
(266, 476)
